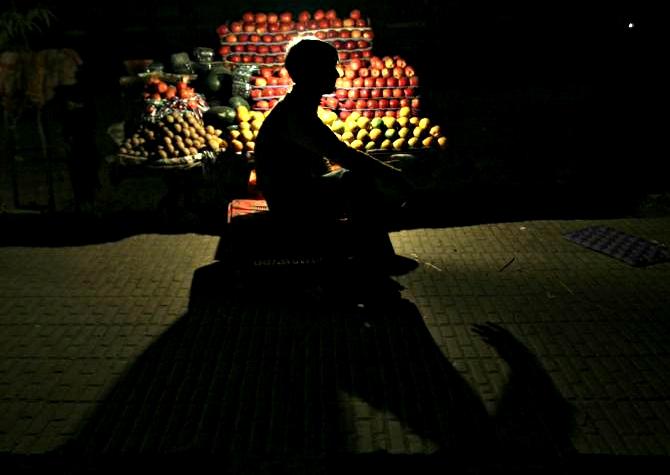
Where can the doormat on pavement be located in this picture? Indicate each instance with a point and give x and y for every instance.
(632, 250)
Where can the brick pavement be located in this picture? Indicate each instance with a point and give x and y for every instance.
(143, 345)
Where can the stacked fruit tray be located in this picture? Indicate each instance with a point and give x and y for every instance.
(262, 38)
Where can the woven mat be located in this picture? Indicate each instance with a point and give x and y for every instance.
(632, 250)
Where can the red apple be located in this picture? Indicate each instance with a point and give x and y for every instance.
(343, 55)
(352, 93)
(234, 58)
(355, 14)
(380, 82)
(408, 92)
(243, 38)
(398, 93)
(361, 23)
(375, 73)
(346, 34)
(368, 34)
(390, 113)
(349, 73)
(248, 16)
(286, 17)
(403, 81)
(344, 115)
(263, 105)
(386, 72)
(224, 50)
(368, 81)
(387, 92)
(357, 81)
(222, 30)
(414, 81)
(274, 49)
(409, 71)
(394, 103)
(346, 82)
(361, 104)
(404, 102)
(336, 23)
(272, 18)
(332, 102)
(230, 38)
(375, 93)
(239, 48)
(251, 48)
(256, 93)
(355, 64)
(391, 82)
(379, 113)
(260, 82)
(398, 72)
(368, 113)
(341, 93)
(416, 103)
(349, 104)
(383, 103)
(348, 22)
(236, 27)
(364, 93)
(263, 49)
(249, 27)
(372, 104)
(362, 44)
(274, 27)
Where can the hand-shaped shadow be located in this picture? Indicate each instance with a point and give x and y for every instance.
(531, 417)
(254, 371)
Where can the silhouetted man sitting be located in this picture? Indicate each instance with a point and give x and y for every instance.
(295, 152)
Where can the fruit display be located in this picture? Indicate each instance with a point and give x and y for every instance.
(402, 133)
(376, 87)
(172, 125)
(262, 38)
(245, 123)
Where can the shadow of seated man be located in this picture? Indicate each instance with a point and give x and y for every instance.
(309, 177)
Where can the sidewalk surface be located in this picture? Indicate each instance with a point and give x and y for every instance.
(148, 345)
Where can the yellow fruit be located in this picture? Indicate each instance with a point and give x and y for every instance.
(256, 124)
(414, 120)
(404, 112)
(363, 122)
(398, 144)
(442, 142)
(412, 142)
(402, 121)
(234, 134)
(370, 145)
(374, 134)
(385, 145)
(347, 136)
(404, 132)
(424, 123)
(250, 145)
(427, 141)
(389, 121)
(390, 133)
(337, 126)
(357, 144)
(243, 113)
(435, 131)
(244, 125)
(247, 135)
(237, 146)
(355, 115)
(362, 134)
(417, 131)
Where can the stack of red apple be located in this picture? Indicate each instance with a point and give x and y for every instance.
(268, 87)
(261, 38)
(376, 87)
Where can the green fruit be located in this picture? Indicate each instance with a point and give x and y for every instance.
(237, 101)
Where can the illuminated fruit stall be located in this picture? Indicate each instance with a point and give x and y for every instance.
(376, 104)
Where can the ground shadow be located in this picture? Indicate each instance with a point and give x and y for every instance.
(248, 379)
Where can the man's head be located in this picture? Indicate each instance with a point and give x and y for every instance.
(312, 64)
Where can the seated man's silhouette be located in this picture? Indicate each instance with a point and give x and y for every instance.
(295, 153)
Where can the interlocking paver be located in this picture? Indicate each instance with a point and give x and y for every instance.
(79, 322)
